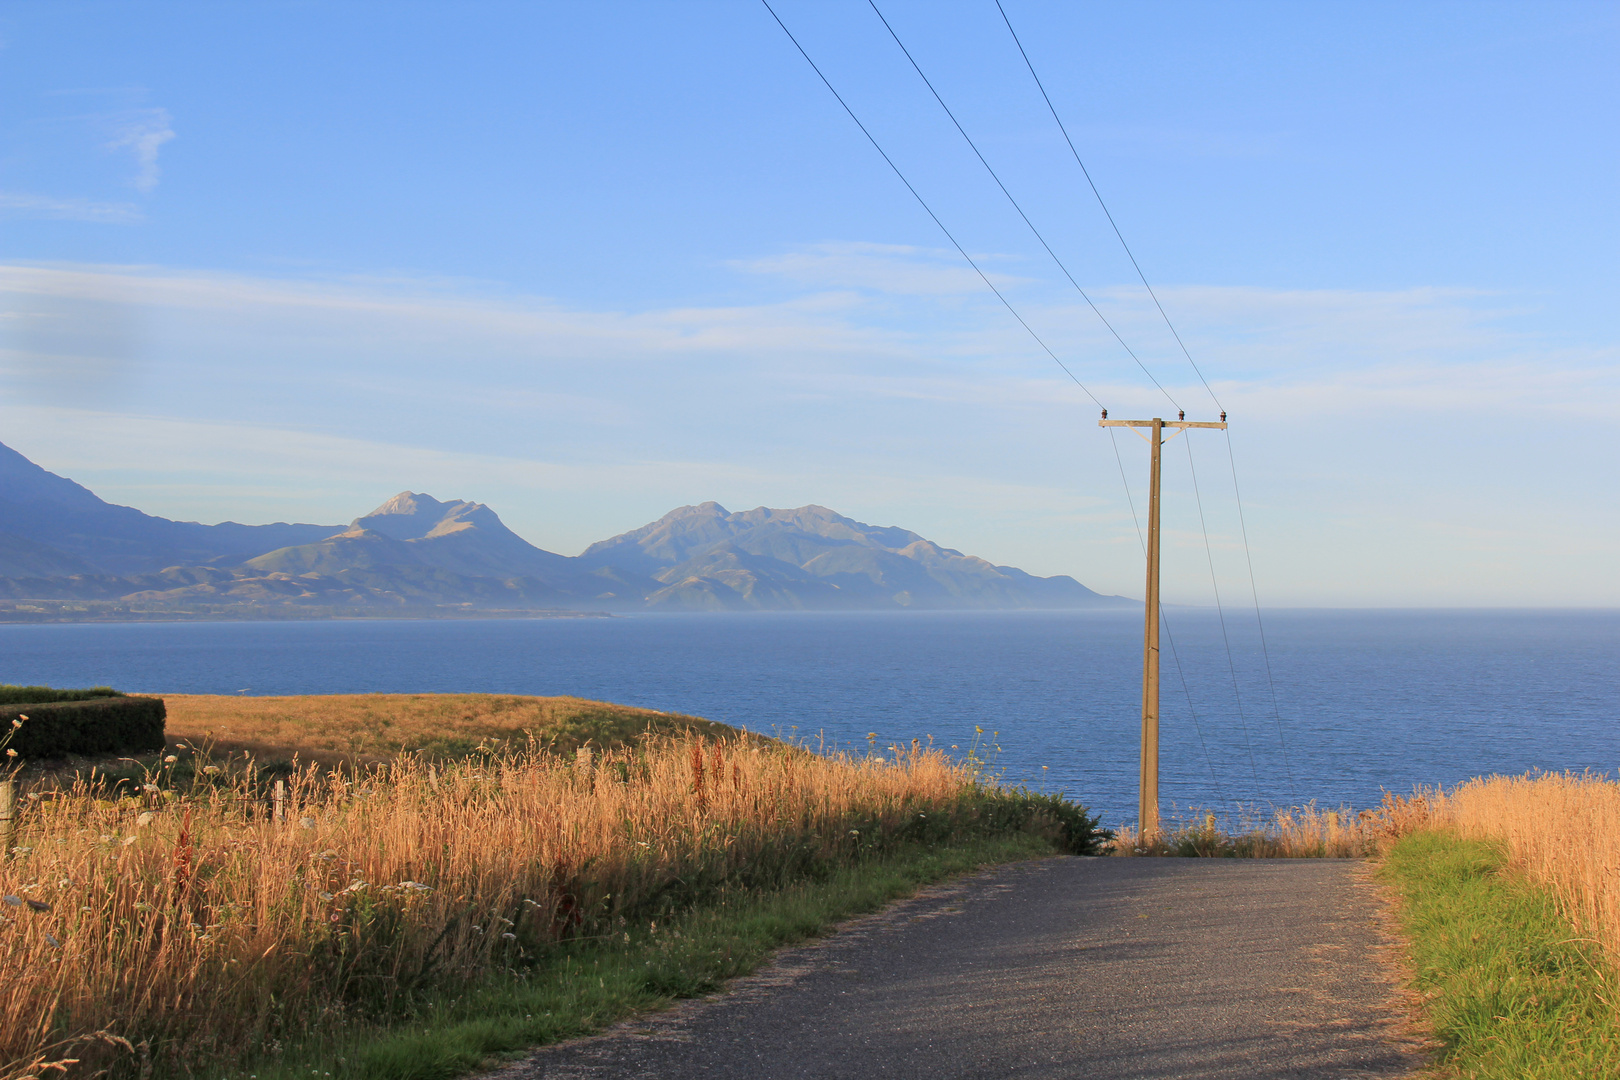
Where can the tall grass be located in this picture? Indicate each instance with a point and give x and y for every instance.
(173, 928)
(1562, 830)
(1299, 832)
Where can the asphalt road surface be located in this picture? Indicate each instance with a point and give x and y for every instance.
(1102, 969)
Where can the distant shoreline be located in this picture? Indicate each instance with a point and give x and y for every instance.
(115, 613)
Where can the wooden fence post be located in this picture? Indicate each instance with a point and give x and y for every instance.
(279, 812)
(8, 816)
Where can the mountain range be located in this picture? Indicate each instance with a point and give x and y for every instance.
(66, 553)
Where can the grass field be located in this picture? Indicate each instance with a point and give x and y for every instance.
(372, 728)
(1510, 989)
(1560, 831)
(192, 923)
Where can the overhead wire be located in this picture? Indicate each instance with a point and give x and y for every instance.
(1231, 664)
(1265, 649)
(1092, 184)
(1170, 637)
(993, 175)
(929, 210)
(1053, 355)
(1231, 453)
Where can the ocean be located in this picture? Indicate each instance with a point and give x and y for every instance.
(1355, 702)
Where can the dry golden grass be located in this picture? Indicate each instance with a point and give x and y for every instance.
(196, 926)
(1301, 832)
(1561, 830)
(371, 728)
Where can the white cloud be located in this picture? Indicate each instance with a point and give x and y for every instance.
(143, 133)
(46, 206)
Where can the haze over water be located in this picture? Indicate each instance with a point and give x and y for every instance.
(1367, 700)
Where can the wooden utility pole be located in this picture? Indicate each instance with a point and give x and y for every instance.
(1147, 811)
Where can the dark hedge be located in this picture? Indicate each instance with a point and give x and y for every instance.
(27, 695)
(100, 725)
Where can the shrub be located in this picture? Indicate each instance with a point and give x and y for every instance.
(29, 695)
(92, 725)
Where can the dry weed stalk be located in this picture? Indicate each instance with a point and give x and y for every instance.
(193, 924)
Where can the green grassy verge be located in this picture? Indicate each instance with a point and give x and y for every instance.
(1511, 988)
(585, 986)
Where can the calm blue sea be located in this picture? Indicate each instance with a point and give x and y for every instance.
(1364, 700)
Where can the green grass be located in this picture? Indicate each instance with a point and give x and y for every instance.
(585, 986)
(1511, 988)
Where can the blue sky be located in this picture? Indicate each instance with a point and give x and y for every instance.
(589, 262)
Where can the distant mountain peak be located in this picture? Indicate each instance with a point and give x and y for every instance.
(414, 516)
(709, 509)
(407, 503)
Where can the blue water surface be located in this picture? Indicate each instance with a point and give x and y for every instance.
(1364, 700)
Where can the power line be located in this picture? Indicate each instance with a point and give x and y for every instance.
(987, 167)
(1031, 331)
(1265, 650)
(926, 209)
(1237, 694)
(1092, 184)
(1231, 455)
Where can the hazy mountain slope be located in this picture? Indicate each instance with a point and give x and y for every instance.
(68, 520)
(354, 550)
(812, 557)
(21, 557)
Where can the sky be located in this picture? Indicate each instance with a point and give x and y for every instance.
(586, 263)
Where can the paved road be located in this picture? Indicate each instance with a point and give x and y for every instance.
(1102, 969)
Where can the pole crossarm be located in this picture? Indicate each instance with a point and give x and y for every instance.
(1163, 423)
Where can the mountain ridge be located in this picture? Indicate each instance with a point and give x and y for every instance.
(60, 543)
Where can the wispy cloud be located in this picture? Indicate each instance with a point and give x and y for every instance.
(143, 133)
(887, 268)
(1381, 432)
(20, 204)
(1411, 348)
